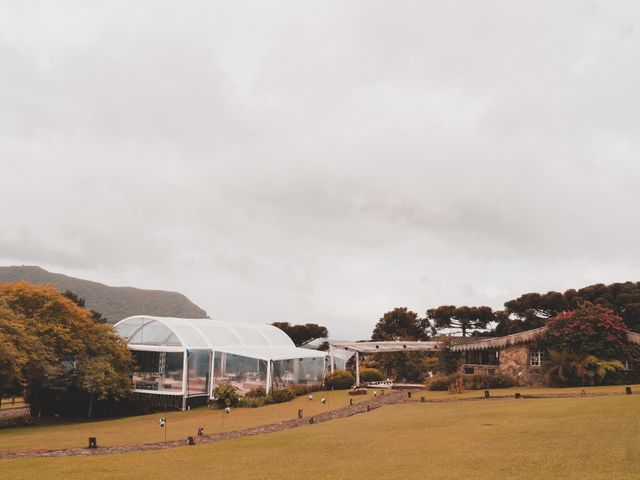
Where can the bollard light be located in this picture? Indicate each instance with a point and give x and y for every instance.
(628, 390)
(191, 440)
(311, 420)
(200, 431)
(351, 402)
(368, 408)
(422, 399)
(323, 400)
(299, 413)
(408, 394)
(486, 394)
(518, 395)
(227, 410)
(93, 443)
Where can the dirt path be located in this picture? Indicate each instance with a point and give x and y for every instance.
(390, 398)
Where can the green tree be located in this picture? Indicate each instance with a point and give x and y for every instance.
(67, 351)
(463, 318)
(302, 334)
(401, 324)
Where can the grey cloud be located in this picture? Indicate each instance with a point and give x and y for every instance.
(322, 161)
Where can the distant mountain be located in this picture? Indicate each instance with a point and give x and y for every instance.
(115, 303)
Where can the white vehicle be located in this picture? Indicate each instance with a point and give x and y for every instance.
(381, 384)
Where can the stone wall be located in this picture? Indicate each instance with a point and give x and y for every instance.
(514, 361)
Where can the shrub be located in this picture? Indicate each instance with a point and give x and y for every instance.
(441, 383)
(589, 330)
(279, 395)
(371, 375)
(298, 389)
(339, 380)
(256, 392)
(226, 395)
(255, 402)
(472, 382)
(482, 382)
(566, 369)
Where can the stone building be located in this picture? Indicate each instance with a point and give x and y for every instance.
(512, 355)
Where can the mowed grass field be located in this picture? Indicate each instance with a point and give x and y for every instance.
(585, 438)
(61, 433)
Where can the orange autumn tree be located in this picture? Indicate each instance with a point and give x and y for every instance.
(59, 355)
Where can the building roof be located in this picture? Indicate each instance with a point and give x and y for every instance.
(517, 338)
(253, 340)
(499, 342)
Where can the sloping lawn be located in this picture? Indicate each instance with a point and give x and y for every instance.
(586, 438)
(60, 433)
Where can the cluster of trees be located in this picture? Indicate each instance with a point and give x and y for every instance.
(528, 311)
(532, 310)
(59, 353)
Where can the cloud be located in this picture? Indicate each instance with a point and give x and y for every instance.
(323, 161)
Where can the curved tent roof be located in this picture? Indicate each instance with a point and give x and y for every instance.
(254, 340)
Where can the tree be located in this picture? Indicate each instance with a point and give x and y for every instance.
(302, 334)
(401, 324)
(585, 345)
(67, 353)
(505, 325)
(465, 318)
(588, 330)
(81, 302)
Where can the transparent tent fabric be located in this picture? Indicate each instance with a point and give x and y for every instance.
(205, 332)
(241, 354)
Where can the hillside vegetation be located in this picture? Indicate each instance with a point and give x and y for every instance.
(115, 303)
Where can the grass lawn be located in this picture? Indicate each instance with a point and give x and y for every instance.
(586, 438)
(60, 433)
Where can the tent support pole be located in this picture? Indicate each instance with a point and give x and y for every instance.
(333, 363)
(185, 373)
(357, 369)
(268, 389)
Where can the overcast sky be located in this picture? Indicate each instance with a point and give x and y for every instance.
(322, 161)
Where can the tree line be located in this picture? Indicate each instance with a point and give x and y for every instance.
(526, 312)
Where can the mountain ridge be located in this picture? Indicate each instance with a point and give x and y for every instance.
(114, 303)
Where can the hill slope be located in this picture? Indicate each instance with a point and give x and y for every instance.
(115, 303)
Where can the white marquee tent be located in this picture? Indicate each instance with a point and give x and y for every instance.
(187, 358)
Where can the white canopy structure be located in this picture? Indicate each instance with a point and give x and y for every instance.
(186, 358)
(344, 350)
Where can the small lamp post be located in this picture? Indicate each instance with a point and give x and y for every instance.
(225, 412)
(163, 425)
